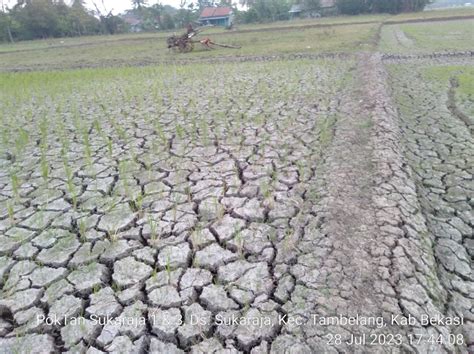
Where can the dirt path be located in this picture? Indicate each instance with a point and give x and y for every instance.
(371, 257)
(402, 38)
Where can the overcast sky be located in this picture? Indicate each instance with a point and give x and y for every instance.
(121, 5)
(117, 5)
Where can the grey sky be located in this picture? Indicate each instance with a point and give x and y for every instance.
(117, 5)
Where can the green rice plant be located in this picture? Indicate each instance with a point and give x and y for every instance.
(18, 347)
(194, 129)
(219, 209)
(5, 134)
(154, 272)
(301, 169)
(96, 288)
(113, 235)
(71, 187)
(15, 183)
(11, 211)
(196, 235)
(155, 144)
(274, 175)
(180, 131)
(116, 288)
(76, 117)
(87, 145)
(60, 131)
(43, 126)
(159, 131)
(139, 202)
(314, 195)
(245, 308)
(239, 242)
(288, 240)
(108, 141)
(44, 165)
(215, 280)
(133, 158)
(82, 230)
(262, 147)
(153, 228)
(175, 211)
(225, 187)
(218, 131)
(121, 132)
(124, 169)
(97, 126)
(64, 151)
(204, 130)
(326, 130)
(272, 236)
(21, 140)
(266, 190)
(187, 191)
(146, 160)
(195, 263)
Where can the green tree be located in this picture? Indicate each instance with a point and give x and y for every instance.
(270, 10)
(183, 17)
(83, 21)
(249, 16)
(167, 22)
(354, 7)
(30, 19)
(152, 17)
(37, 18)
(6, 24)
(311, 4)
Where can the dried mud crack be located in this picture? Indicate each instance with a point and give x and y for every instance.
(238, 218)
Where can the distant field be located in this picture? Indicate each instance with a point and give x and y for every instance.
(468, 11)
(464, 90)
(332, 34)
(151, 49)
(53, 42)
(428, 36)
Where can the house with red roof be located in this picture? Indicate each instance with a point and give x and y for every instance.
(217, 16)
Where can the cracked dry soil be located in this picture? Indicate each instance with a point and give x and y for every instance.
(306, 193)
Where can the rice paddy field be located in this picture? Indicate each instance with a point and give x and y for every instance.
(311, 192)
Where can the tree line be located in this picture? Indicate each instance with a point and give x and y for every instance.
(32, 19)
(355, 7)
(273, 10)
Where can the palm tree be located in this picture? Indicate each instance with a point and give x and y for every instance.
(138, 4)
(78, 4)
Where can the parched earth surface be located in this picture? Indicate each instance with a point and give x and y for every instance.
(168, 212)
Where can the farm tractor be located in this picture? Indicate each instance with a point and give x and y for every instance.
(185, 43)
